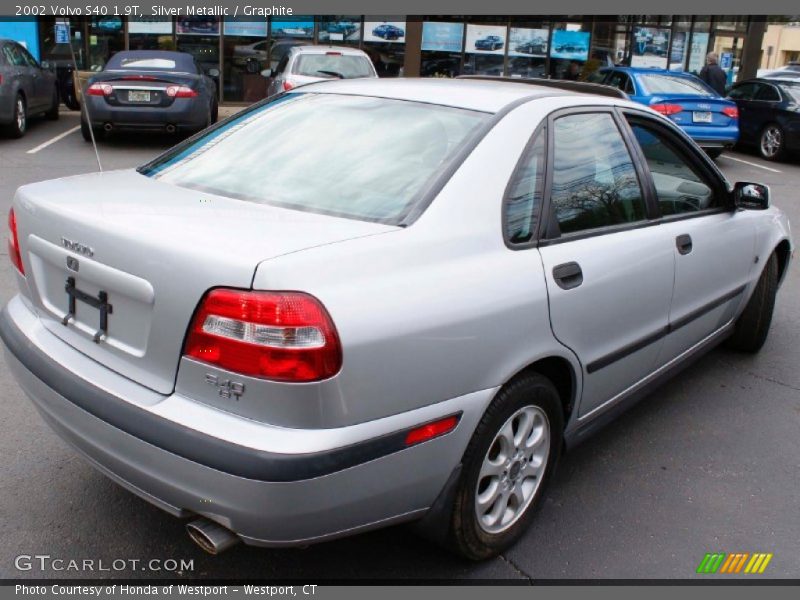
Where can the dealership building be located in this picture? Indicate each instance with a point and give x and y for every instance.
(235, 51)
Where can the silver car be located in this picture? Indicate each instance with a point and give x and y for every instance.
(26, 88)
(374, 301)
(308, 64)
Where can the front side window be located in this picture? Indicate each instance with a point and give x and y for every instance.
(594, 180)
(353, 156)
(679, 188)
(524, 198)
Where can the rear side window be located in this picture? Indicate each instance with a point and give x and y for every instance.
(594, 180)
(14, 56)
(621, 81)
(745, 91)
(332, 65)
(679, 188)
(524, 197)
(768, 93)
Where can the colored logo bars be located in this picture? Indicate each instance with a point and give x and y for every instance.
(720, 562)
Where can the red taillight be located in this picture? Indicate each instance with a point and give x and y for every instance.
(333, 53)
(1, 79)
(139, 78)
(287, 86)
(667, 109)
(285, 336)
(100, 89)
(431, 430)
(731, 111)
(180, 91)
(13, 242)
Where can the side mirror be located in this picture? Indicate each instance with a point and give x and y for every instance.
(266, 73)
(751, 196)
(213, 72)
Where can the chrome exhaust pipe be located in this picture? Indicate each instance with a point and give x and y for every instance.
(211, 537)
(171, 128)
(108, 127)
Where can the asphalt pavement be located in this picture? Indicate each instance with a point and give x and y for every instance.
(708, 463)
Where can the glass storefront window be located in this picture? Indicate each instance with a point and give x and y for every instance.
(245, 53)
(527, 51)
(59, 54)
(384, 42)
(442, 45)
(199, 36)
(569, 51)
(150, 33)
(339, 29)
(485, 49)
(106, 38)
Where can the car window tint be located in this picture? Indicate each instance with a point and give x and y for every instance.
(745, 91)
(768, 93)
(14, 56)
(26, 56)
(524, 197)
(594, 180)
(679, 188)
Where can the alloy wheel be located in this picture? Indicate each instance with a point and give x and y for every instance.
(20, 115)
(771, 141)
(512, 469)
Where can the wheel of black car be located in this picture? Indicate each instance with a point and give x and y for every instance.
(86, 132)
(752, 327)
(506, 466)
(70, 101)
(214, 112)
(52, 114)
(714, 153)
(772, 142)
(19, 122)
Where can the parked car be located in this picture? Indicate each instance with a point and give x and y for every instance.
(27, 89)
(536, 45)
(490, 42)
(708, 118)
(769, 116)
(387, 31)
(307, 64)
(154, 90)
(353, 359)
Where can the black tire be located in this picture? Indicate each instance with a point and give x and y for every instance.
(466, 535)
(713, 153)
(214, 112)
(752, 327)
(87, 133)
(17, 127)
(52, 114)
(70, 101)
(772, 142)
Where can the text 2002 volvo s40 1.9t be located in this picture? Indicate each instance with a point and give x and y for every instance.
(291, 339)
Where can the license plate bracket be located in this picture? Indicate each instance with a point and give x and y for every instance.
(100, 303)
(701, 117)
(138, 96)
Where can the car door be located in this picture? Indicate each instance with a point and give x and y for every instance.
(743, 95)
(713, 244)
(42, 86)
(609, 273)
(21, 72)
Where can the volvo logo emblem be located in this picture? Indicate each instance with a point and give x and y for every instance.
(77, 247)
(73, 264)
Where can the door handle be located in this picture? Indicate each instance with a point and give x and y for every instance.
(684, 243)
(568, 275)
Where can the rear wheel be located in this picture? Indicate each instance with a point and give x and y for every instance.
(19, 122)
(86, 131)
(713, 153)
(506, 467)
(772, 142)
(752, 327)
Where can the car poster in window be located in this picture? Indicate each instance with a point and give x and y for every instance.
(571, 45)
(486, 39)
(527, 42)
(297, 27)
(244, 28)
(385, 31)
(697, 52)
(340, 29)
(649, 48)
(678, 53)
(442, 37)
(197, 25)
(149, 25)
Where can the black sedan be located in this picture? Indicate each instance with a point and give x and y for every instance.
(769, 115)
(27, 88)
(149, 90)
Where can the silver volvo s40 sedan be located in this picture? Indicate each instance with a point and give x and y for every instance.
(373, 301)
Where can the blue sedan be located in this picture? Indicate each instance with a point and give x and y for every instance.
(707, 117)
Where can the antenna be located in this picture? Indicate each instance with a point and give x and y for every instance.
(84, 105)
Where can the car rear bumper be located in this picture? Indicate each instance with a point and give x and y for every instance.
(713, 137)
(184, 113)
(290, 486)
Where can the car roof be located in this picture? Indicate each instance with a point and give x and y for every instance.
(471, 94)
(320, 49)
(652, 71)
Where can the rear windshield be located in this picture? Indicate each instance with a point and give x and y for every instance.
(667, 84)
(352, 156)
(147, 63)
(345, 66)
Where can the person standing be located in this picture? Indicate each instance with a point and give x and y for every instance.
(713, 74)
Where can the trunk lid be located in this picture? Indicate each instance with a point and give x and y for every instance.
(697, 110)
(145, 252)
